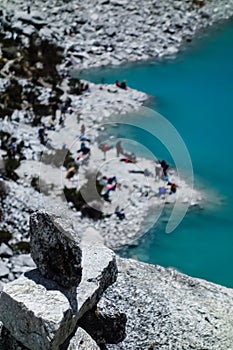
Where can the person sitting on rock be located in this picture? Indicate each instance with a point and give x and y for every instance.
(123, 85)
(107, 192)
(104, 180)
(84, 149)
(42, 135)
(120, 213)
(173, 187)
(110, 186)
(85, 87)
(129, 158)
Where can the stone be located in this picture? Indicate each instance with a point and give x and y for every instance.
(105, 323)
(4, 271)
(5, 251)
(48, 313)
(55, 249)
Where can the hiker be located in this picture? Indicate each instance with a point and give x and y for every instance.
(119, 148)
(82, 129)
(110, 185)
(120, 213)
(78, 114)
(173, 187)
(29, 5)
(104, 148)
(54, 110)
(42, 135)
(84, 149)
(63, 110)
(165, 167)
(123, 85)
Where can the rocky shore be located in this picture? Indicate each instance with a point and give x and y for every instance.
(110, 32)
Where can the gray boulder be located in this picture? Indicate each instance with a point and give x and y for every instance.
(47, 314)
(55, 249)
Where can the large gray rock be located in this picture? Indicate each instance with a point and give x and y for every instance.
(168, 310)
(48, 313)
(55, 249)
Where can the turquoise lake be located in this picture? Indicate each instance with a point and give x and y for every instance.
(194, 92)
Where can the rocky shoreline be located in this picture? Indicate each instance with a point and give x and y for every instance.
(112, 32)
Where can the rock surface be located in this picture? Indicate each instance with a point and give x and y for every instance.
(105, 324)
(82, 341)
(168, 310)
(47, 313)
(55, 249)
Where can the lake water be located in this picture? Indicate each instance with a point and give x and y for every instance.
(195, 93)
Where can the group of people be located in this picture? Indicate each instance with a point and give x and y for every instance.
(121, 85)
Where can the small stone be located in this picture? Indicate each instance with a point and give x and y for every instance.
(5, 250)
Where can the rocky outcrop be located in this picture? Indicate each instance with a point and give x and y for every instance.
(153, 306)
(48, 310)
(169, 310)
